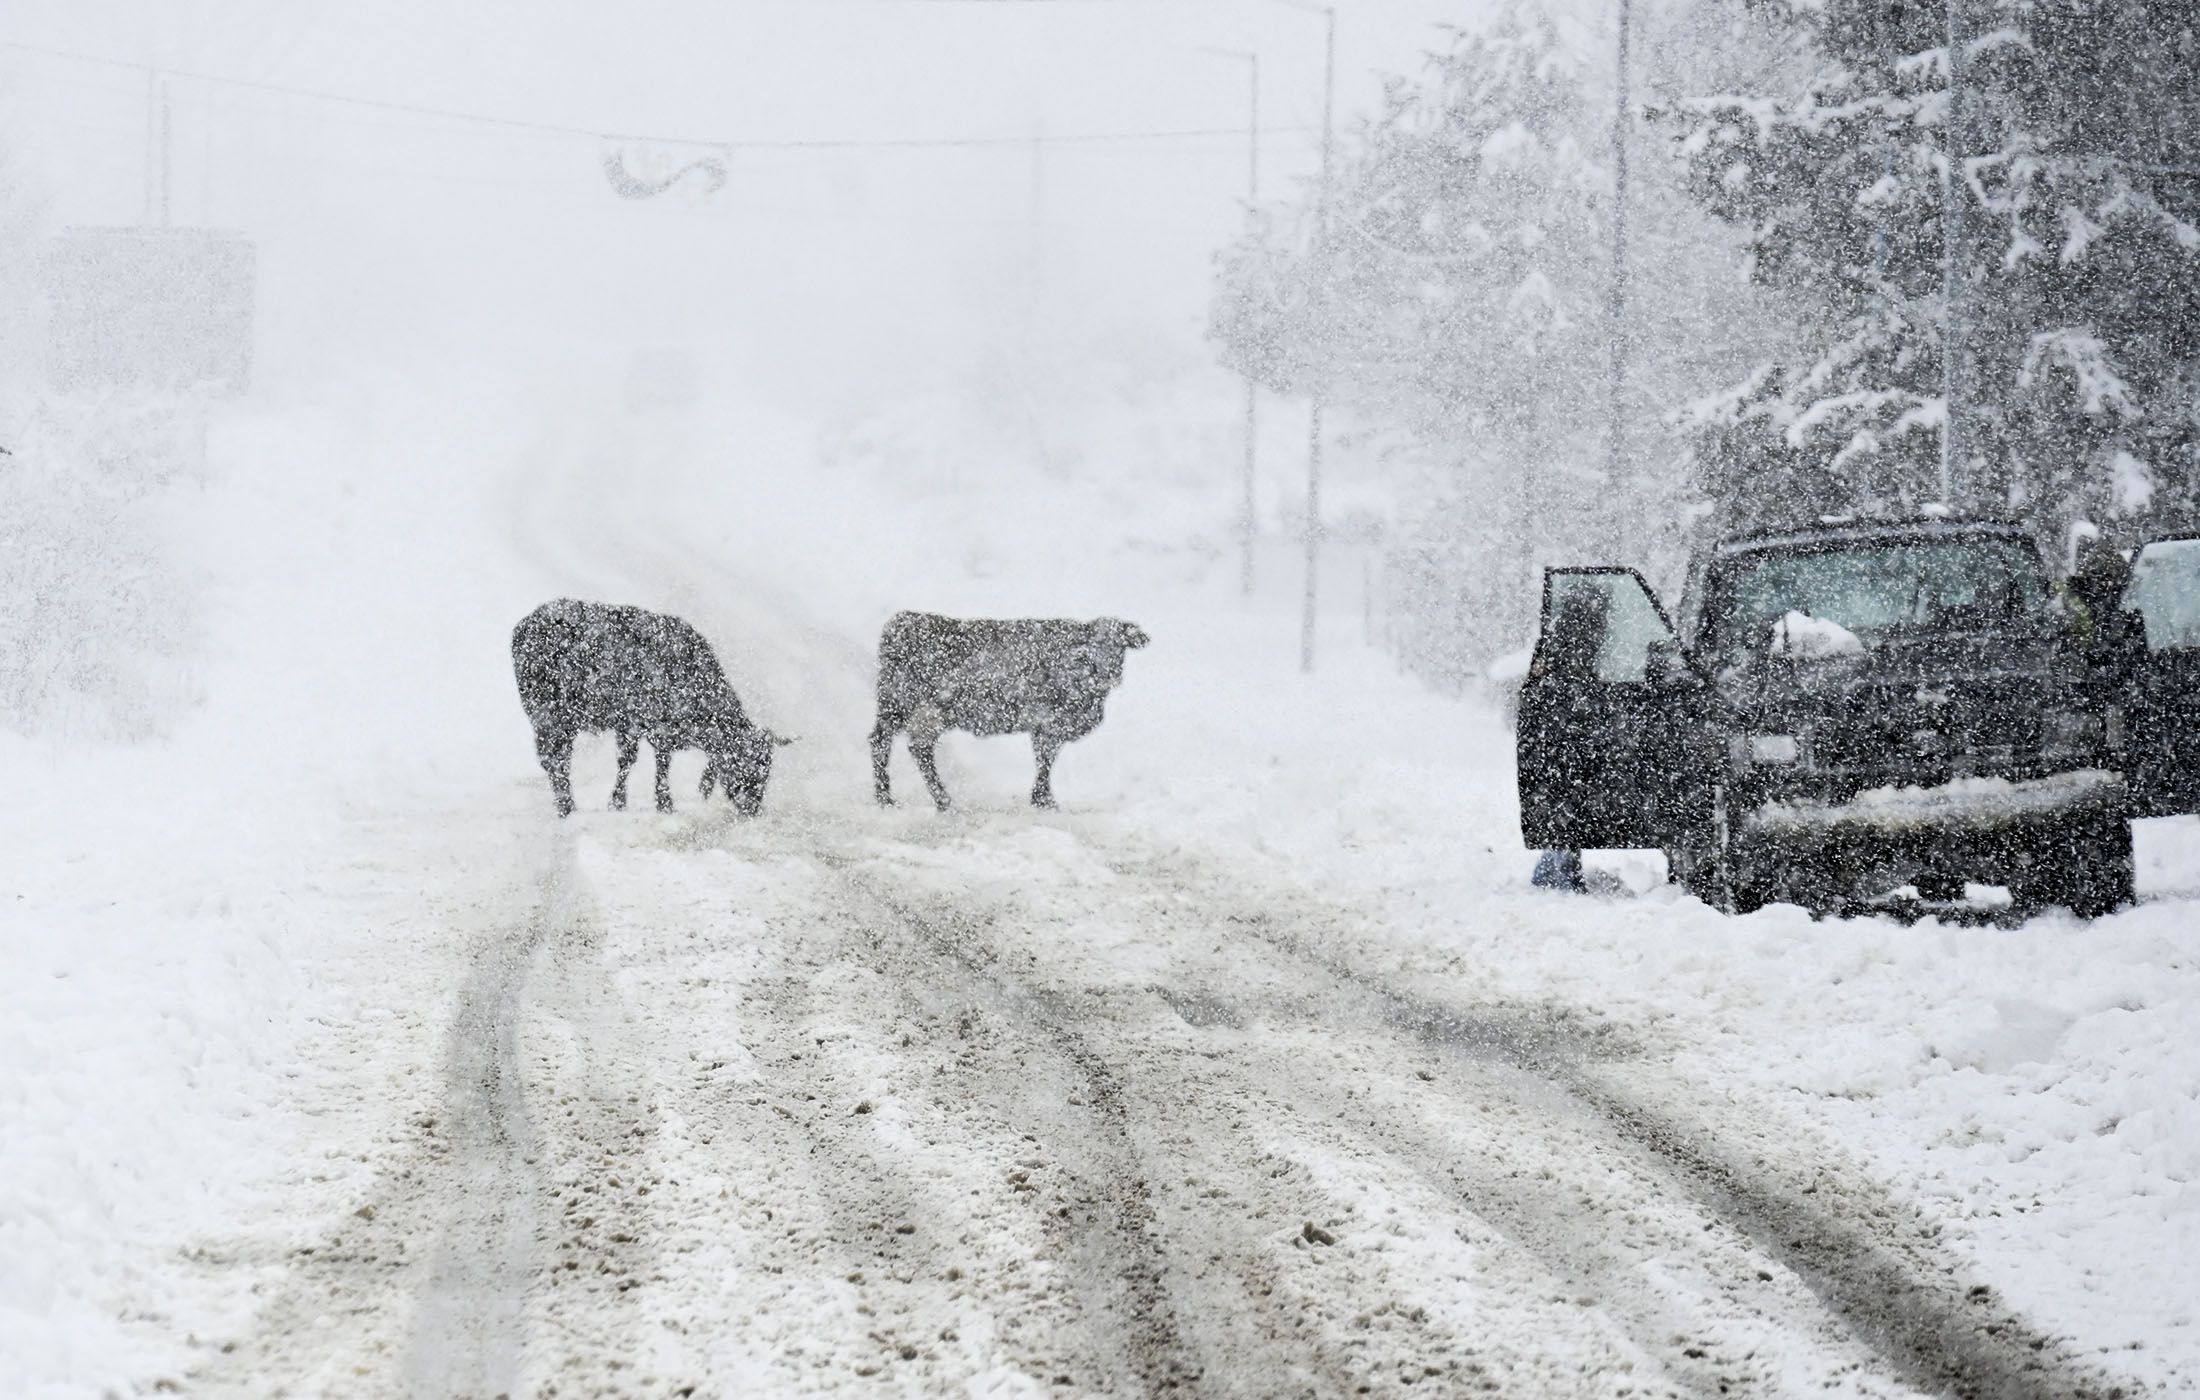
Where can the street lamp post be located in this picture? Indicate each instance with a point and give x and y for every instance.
(1321, 271)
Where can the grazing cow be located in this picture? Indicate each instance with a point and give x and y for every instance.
(587, 667)
(1048, 678)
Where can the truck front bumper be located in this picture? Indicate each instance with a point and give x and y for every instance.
(1992, 830)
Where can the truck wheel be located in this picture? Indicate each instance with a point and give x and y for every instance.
(2085, 866)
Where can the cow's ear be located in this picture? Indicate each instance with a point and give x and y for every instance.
(779, 740)
(1133, 634)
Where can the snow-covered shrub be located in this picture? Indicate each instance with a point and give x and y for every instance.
(96, 619)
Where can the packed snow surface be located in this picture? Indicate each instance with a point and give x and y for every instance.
(332, 1064)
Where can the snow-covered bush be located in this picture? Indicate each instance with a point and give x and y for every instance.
(96, 618)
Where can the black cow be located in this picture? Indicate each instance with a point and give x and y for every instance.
(586, 667)
(1045, 677)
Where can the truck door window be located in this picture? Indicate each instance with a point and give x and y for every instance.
(1601, 625)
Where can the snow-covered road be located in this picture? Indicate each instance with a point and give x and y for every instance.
(1018, 1104)
(1179, 1089)
(736, 1109)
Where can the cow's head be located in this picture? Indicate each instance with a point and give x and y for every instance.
(741, 761)
(1111, 638)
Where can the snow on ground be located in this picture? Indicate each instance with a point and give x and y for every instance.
(320, 1037)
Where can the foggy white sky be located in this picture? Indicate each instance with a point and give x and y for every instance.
(828, 276)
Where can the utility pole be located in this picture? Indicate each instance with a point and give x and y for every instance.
(206, 160)
(1955, 277)
(1036, 240)
(167, 163)
(1616, 473)
(1321, 368)
(1249, 524)
(1248, 517)
(152, 141)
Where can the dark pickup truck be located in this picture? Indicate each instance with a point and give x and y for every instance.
(1847, 709)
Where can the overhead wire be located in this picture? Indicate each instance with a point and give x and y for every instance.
(559, 129)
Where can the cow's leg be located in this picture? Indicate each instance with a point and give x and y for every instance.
(664, 776)
(630, 748)
(555, 750)
(921, 750)
(1044, 747)
(882, 758)
(925, 729)
(710, 775)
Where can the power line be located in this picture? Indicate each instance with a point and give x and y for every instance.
(539, 128)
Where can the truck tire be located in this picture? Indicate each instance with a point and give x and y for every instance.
(2084, 866)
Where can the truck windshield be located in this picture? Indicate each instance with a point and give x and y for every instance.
(2165, 591)
(1866, 595)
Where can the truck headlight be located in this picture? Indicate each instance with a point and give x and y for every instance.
(2064, 732)
(1766, 750)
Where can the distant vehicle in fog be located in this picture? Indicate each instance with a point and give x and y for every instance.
(1045, 677)
(597, 667)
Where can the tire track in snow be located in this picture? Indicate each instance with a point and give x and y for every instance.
(1275, 1313)
(542, 1188)
(459, 1270)
(1870, 1260)
(470, 1324)
(1564, 1289)
(984, 1223)
(1120, 1263)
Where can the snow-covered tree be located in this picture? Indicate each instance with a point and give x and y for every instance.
(2082, 188)
(1461, 282)
(1461, 298)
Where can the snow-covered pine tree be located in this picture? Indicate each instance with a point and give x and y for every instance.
(2082, 178)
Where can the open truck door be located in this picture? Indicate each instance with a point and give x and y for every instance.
(2161, 605)
(1601, 750)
